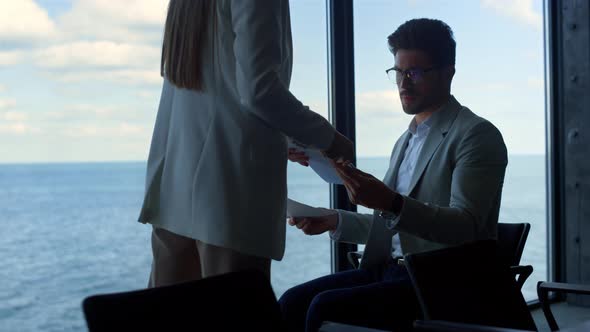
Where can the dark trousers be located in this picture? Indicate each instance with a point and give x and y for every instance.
(377, 299)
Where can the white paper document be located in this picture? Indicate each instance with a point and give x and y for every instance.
(297, 209)
(320, 164)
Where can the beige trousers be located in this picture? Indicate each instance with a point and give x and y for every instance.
(177, 259)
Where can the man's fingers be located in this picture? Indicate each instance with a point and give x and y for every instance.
(351, 181)
(297, 153)
(308, 229)
(347, 178)
(352, 193)
(294, 153)
(303, 223)
(295, 221)
(353, 171)
(298, 158)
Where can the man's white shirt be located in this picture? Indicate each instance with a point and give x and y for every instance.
(418, 133)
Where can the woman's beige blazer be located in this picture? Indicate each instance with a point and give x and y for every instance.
(217, 164)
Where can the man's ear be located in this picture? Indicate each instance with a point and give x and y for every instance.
(449, 72)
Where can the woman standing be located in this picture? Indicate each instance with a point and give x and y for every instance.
(216, 181)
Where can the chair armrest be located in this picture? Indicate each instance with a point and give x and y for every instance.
(546, 287)
(341, 327)
(521, 272)
(354, 258)
(446, 326)
(543, 289)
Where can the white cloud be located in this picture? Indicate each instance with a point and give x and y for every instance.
(10, 57)
(319, 107)
(91, 112)
(378, 103)
(2, 88)
(519, 10)
(18, 128)
(7, 104)
(130, 20)
(370, 103)
(152, 94)
(103, 111)
(536, 82)
(97, 54)
(24, 20)
(137, 77)
(533, 56)
(13, 122)
(131, 12)
(105, 41)
(120, 130)
(13, 116)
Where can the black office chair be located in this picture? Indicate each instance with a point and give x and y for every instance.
(239, 301)
(471, 284)
(511, 241)
(543, 289)
(445, 326)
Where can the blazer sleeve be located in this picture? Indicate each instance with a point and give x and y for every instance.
(257, 47)
(476, 186)
(354, 227)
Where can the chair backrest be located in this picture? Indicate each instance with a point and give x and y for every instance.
(231, 302)
(468, 284)
(511, 241)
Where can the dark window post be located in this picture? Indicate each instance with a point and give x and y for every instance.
(568, 141)
(341, 102)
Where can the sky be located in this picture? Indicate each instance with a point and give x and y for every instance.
(79, 79)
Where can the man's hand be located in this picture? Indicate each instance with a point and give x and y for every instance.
(298, 157)
(364, 189)
(315, 225)
(341, 149)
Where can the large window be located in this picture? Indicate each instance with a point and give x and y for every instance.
(79, 90)
(79, 87)
(306, 257)
(499, 76)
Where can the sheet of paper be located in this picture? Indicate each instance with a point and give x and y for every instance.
(319, 163)
(297, 209)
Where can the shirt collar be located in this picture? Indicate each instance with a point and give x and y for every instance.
(424, 127)
(419, 129)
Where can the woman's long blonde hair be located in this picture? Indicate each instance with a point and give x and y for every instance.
(184, 35)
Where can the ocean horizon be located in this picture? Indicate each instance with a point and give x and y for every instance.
(70, 231)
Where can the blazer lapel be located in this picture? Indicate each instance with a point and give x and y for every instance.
(378, 248)
(439, 126)
(396, 159)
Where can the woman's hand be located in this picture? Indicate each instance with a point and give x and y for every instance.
(341, 149)
(315, 225)
(298, 157)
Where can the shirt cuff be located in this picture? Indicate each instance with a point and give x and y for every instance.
(335, 234)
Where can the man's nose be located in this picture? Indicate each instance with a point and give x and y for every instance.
(405, 82)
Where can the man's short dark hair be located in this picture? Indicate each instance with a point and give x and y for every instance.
(434, 37)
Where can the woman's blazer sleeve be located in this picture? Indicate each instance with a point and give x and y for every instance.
(257, 47)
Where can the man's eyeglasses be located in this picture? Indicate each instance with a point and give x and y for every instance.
(415, 75)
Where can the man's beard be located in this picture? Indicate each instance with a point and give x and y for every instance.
(415, 107)
(412, 110)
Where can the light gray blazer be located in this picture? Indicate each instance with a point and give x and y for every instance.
(454, 194)
(217, 164)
